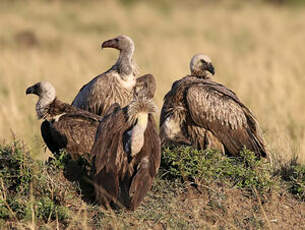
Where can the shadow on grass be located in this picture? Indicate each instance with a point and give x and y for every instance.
(293, 175)
(77, 172)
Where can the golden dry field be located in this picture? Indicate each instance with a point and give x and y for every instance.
(258, 51)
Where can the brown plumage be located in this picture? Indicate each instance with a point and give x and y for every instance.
(64, 126)
(115, 85)
(145, 86)
(200, 112)
(127, 153)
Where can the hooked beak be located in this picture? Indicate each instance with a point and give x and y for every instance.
(34, 89)
(30, 90)
(112, 43)
(211, 68)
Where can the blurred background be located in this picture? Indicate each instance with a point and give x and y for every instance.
(257, 48)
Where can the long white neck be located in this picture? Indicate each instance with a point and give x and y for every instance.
(125, 63)
(43, 102)
(137, 136)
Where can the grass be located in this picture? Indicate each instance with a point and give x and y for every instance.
(294, 176)
(30, 190)
(244, 172)
(207, 191)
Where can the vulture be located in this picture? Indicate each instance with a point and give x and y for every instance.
(200, 112)
(126, 153)
(64, 126)
(115, 85)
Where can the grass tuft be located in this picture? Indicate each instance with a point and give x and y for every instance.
(31, 187)
(293, 174)
(245, 171)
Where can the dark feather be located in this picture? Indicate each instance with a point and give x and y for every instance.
(46, 133)
(145, 86)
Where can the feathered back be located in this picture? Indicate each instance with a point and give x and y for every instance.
(213, 107)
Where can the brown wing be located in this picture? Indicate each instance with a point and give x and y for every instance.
(92, 96)
(58, 107)
(145, 86)
(78, 132)
(109, 156)
(217, 109)
(52, 138)
(174, 98)
(148, 166)
(108, 147)
(152, 139)
(170, 101)
(165, 108)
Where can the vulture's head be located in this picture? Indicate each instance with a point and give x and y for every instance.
(201, 66)
(43, 89)
(46, 93)
(121, 42)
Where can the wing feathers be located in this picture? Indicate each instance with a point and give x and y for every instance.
(214, 109)
(140, 185)
(207, 105)
(106, 148)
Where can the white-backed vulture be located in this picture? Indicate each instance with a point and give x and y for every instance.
(200, 112)
(64, 126)
(127, 154)
(115, 85)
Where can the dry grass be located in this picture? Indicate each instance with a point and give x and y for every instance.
(40, 196)
(258, 51)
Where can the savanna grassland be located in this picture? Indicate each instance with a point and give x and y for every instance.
(258, 51)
